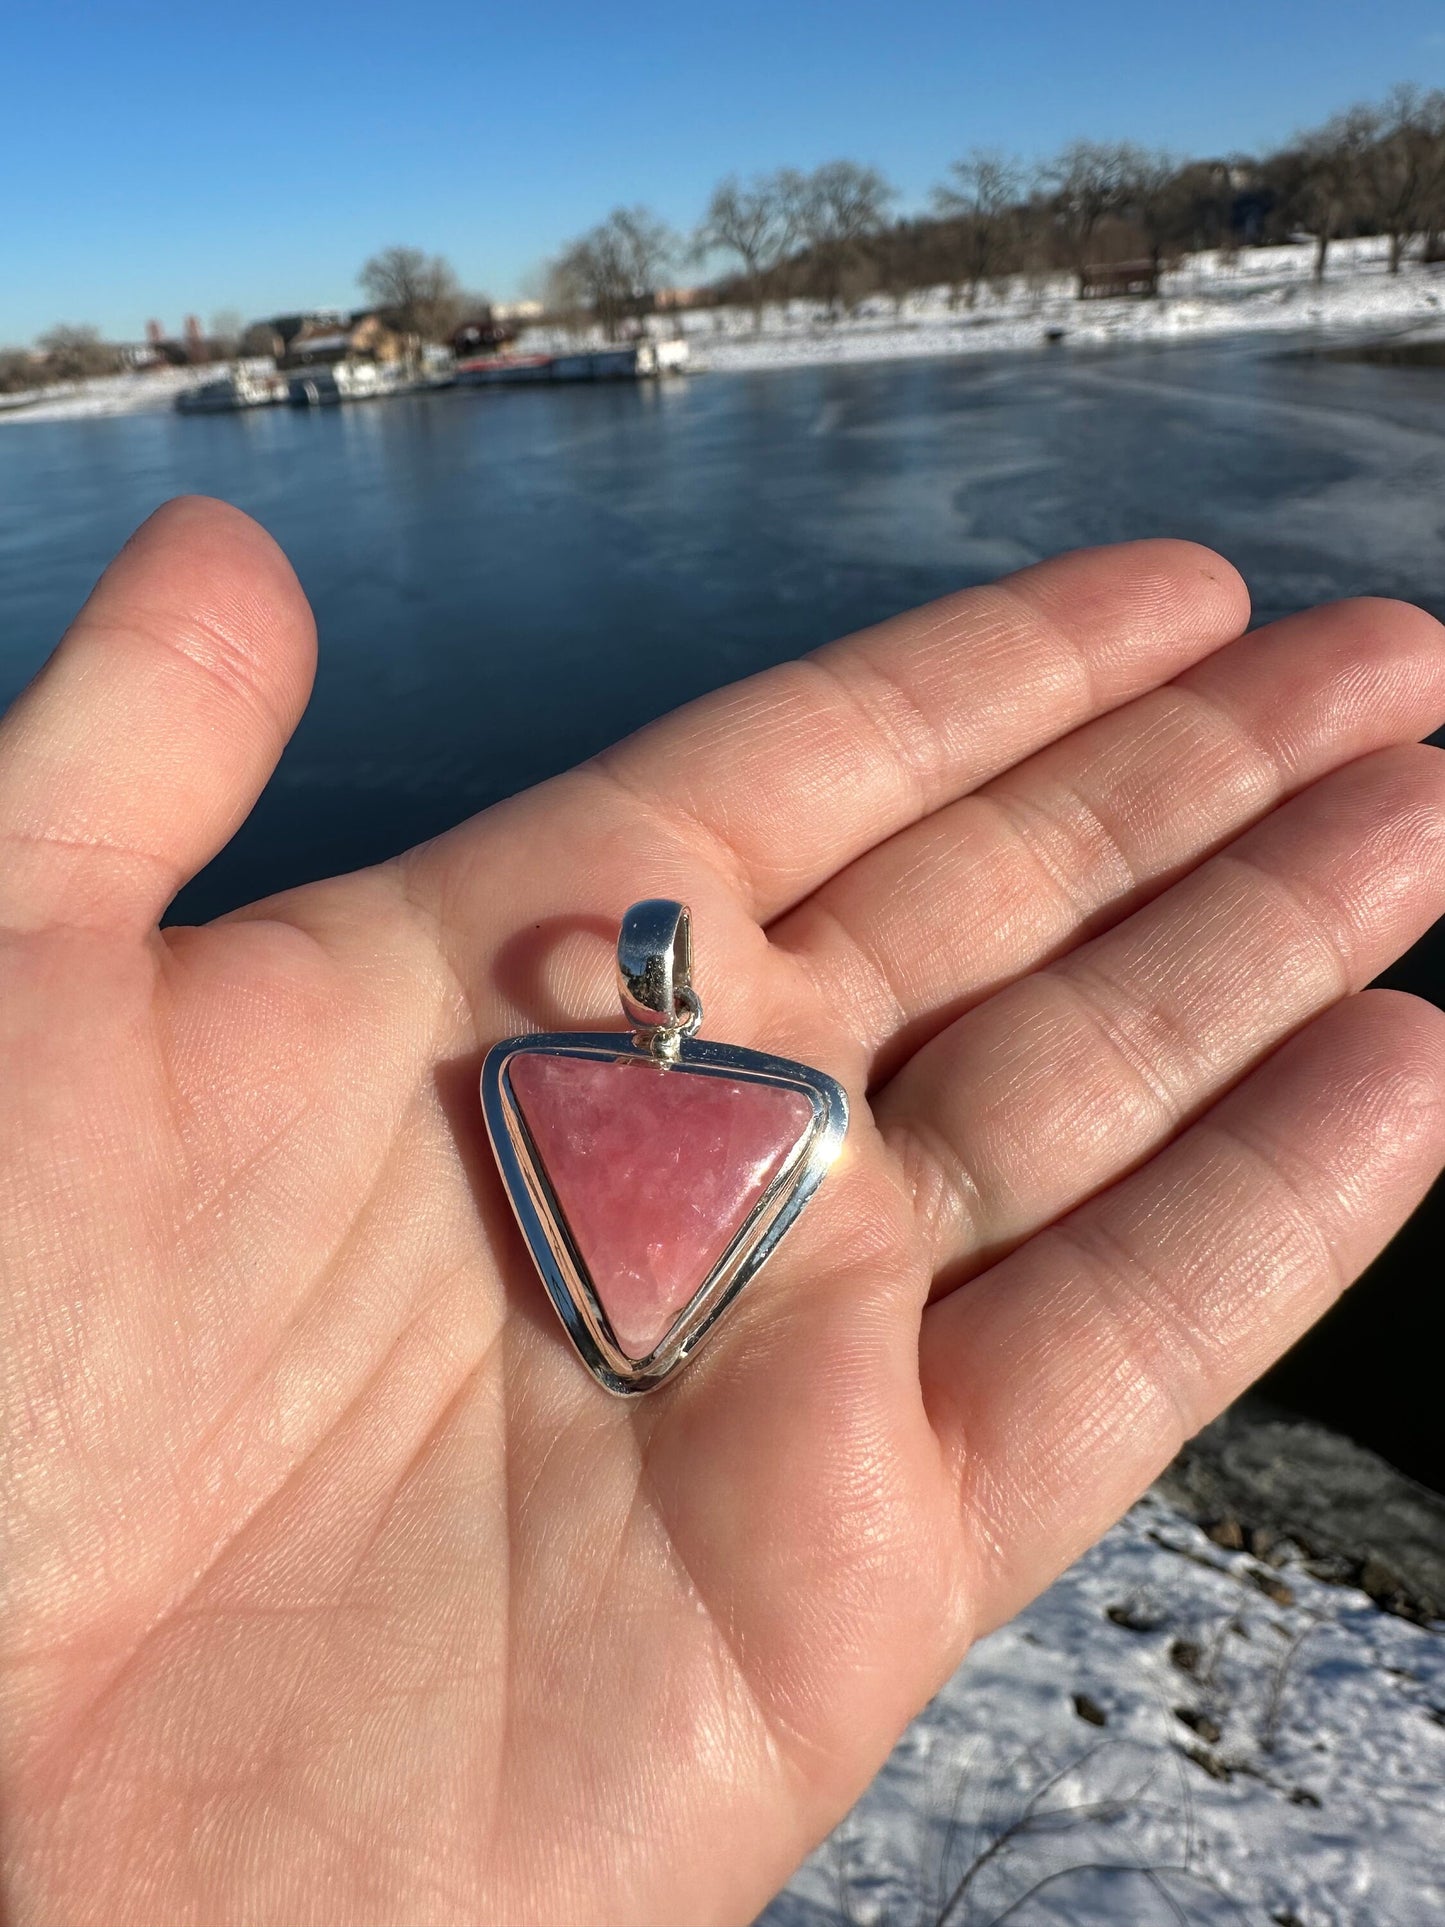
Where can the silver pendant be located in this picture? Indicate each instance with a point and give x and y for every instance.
(653, 1174)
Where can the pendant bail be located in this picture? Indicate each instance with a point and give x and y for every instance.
(654, 976)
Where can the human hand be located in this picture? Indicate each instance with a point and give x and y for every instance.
(332, 1589)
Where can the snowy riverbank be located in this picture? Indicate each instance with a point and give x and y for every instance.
(1261, 291)
(1176, 1732)
(103, 395)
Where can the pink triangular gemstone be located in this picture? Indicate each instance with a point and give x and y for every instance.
(654, 1170)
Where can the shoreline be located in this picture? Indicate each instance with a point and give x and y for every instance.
(1269, 292)
(1265, 292)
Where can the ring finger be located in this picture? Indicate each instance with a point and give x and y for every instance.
(1067, 1079)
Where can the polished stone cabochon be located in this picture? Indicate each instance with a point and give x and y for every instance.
(654, 1171)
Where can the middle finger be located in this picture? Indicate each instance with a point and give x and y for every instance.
(1082, 833)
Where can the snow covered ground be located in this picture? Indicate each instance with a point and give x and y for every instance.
(1174, 1733)
(104, 395)
(1263, 290)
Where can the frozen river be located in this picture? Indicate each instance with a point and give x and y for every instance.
(504, 581)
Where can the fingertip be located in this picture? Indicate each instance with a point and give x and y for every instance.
(1160, 591)
(1401, 1038)
(1368, 1072)
(1195, 571)
(1388, 621)
(1403, 772)
(209, 570)
(1411, 792)
(1197, 581)
(1390, 642)
(1367, 842)
(146, 738)
(216, 529)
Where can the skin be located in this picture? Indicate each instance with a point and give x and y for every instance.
(331, 1588)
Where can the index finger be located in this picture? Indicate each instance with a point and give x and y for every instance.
(790, 775)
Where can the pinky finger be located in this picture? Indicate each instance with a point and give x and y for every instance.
(1062, 1381)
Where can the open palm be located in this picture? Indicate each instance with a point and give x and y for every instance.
(332, 1589)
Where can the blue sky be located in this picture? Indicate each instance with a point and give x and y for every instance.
(161, 160)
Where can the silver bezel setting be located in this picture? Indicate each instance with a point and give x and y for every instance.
(545, 1229)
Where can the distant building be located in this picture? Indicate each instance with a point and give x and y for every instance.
(484, 332)
(193, 348)
(324, 338)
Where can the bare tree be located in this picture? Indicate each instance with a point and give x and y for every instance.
(420, 292)
(1432, 195)
(759, 222)
(981, 197)
(1088, 181)
(18, 371)
(647, 246)
(1155, 190)
(1329, 191)
(612, 272)
(1402, 168)
(902, 259)
(1199, 204)
(841, 207)
(573, 286)
(73, 352)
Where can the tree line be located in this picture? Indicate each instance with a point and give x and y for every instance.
(418, 292)
(832, 235)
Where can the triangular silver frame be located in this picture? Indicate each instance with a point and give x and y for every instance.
(544, 1226)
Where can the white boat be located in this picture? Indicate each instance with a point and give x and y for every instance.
(338, 381)
(237, 388)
